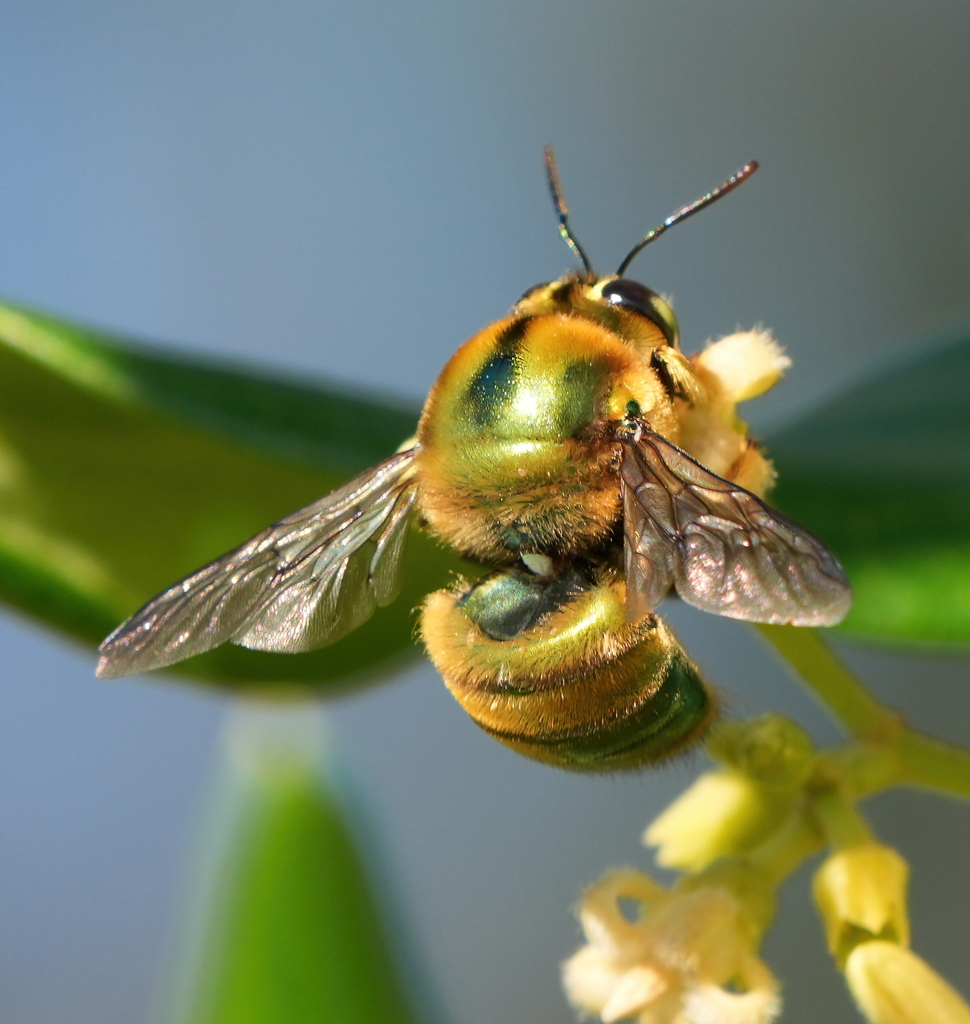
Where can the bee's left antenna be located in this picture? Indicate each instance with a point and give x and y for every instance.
(562, 211)
(685, 211)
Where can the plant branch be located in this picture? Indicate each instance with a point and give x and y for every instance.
(926, 761)
(804, 652)
(920, 760)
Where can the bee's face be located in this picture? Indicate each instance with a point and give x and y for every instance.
(621, 304)
(590, 468)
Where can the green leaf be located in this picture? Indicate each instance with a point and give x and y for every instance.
(882, 474)
(279, 923)
(124, 467)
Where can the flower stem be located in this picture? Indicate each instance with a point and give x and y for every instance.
(835, 686)
(920, 760)
(840, 820)
(925, 761)
(781, 854)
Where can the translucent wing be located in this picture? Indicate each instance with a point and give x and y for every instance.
(720, 547)
(302, 583)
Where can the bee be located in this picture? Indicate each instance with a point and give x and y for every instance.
(590, 468)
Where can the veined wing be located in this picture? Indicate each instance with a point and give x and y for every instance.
(302, 583)
(720, 547)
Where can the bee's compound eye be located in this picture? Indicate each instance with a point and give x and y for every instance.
(638, 298)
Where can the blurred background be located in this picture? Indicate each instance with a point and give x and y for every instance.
(351, 190)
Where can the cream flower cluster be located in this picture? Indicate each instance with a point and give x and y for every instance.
(686, 957)
(689, 955)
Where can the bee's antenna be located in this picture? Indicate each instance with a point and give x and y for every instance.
(562, 211)
(686, 211)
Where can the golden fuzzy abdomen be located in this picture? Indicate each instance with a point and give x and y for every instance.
(553, 669)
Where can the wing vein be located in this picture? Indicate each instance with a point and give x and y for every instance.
(302, 583)
(720, 547)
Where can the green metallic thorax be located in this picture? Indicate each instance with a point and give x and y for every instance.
(516, 386)
(518, 448)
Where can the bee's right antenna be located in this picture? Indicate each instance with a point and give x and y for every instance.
(562, 212)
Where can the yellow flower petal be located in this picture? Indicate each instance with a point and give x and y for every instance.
(709, 1004)
(639, 987)
(603, 922)
(590, 976)
(863, 888)
(892, 985)
(723, 812)
(690, 945)
(745, 364)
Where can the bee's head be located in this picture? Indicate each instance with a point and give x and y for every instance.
(616, 297)
(619, 302)
(629, 296)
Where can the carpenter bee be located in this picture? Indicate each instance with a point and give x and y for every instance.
(590, 468)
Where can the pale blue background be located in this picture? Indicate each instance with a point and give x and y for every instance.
(352, 190)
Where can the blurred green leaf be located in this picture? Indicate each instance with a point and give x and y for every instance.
(279, 924)
(882, 474)
(124, 467)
